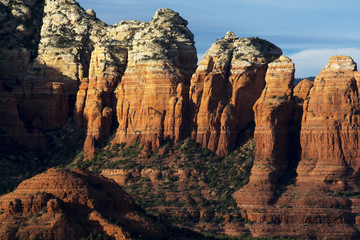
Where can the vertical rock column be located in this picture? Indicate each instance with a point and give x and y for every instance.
(94, 106)
(152, 96)
(273, 113)
(330, 127)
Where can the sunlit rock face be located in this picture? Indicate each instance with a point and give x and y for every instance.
(152, 98)
(71, 204)
(273, 113)
(224, 88)
(329, 128)
(310, 193)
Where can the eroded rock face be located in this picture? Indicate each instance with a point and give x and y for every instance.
(94, 103)
(70, 46)
(273, 112)
(227, 83)
(302, 89)
(329, 130)
(316, 200)
(64, 204)
(44, 54)
(20, 25)
(152, 96)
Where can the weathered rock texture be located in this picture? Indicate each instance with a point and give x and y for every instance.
(317, 196)
(330, 126)
(302, 89)
(94, 103)
(273, 111)
(64, 204)
(44, 65)
(153, 93)
(227, 83)
(44, 54)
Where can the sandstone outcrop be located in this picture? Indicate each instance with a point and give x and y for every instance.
(153, 93)
(302, 89)
(58, 59)
(70, 46)
(94, 103)
(329, 128)
(227, 83)
(70, 204)
(45, 53)
(329, 131)
(273, 112)
(20, 24)
(320, 198)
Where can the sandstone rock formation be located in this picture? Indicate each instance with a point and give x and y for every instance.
(302, 89)
(44, 55)
(153, 93)
(329, 128)
(55, 57)
(94, 103)
(227, 83)
(69, 46)
(273, 112)
(320, 198)
(64, 204)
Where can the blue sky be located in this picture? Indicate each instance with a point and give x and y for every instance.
(308, 31)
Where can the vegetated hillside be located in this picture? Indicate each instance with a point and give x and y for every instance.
(18, 162)
(71, 204)
(182, 184)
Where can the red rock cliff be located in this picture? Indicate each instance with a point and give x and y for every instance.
(228, 81)
(64, 204)
(319, 199)
(329, 128)
(153, 93)
(273, 112)
(94, 103)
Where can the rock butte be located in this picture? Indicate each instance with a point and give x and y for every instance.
(140, 81)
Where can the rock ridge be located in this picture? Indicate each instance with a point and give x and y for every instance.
(70, 204)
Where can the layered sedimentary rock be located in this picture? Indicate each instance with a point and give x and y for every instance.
(68, 46)
(153, 93)
(320, 198)
(44, 54)
(227, 83)
(301, 93)
(329, 131)
(64, 204)
(44, 106)
(20, 24)
(273, 112)
(94, 103)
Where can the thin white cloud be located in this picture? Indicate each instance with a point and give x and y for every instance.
(311, 62)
